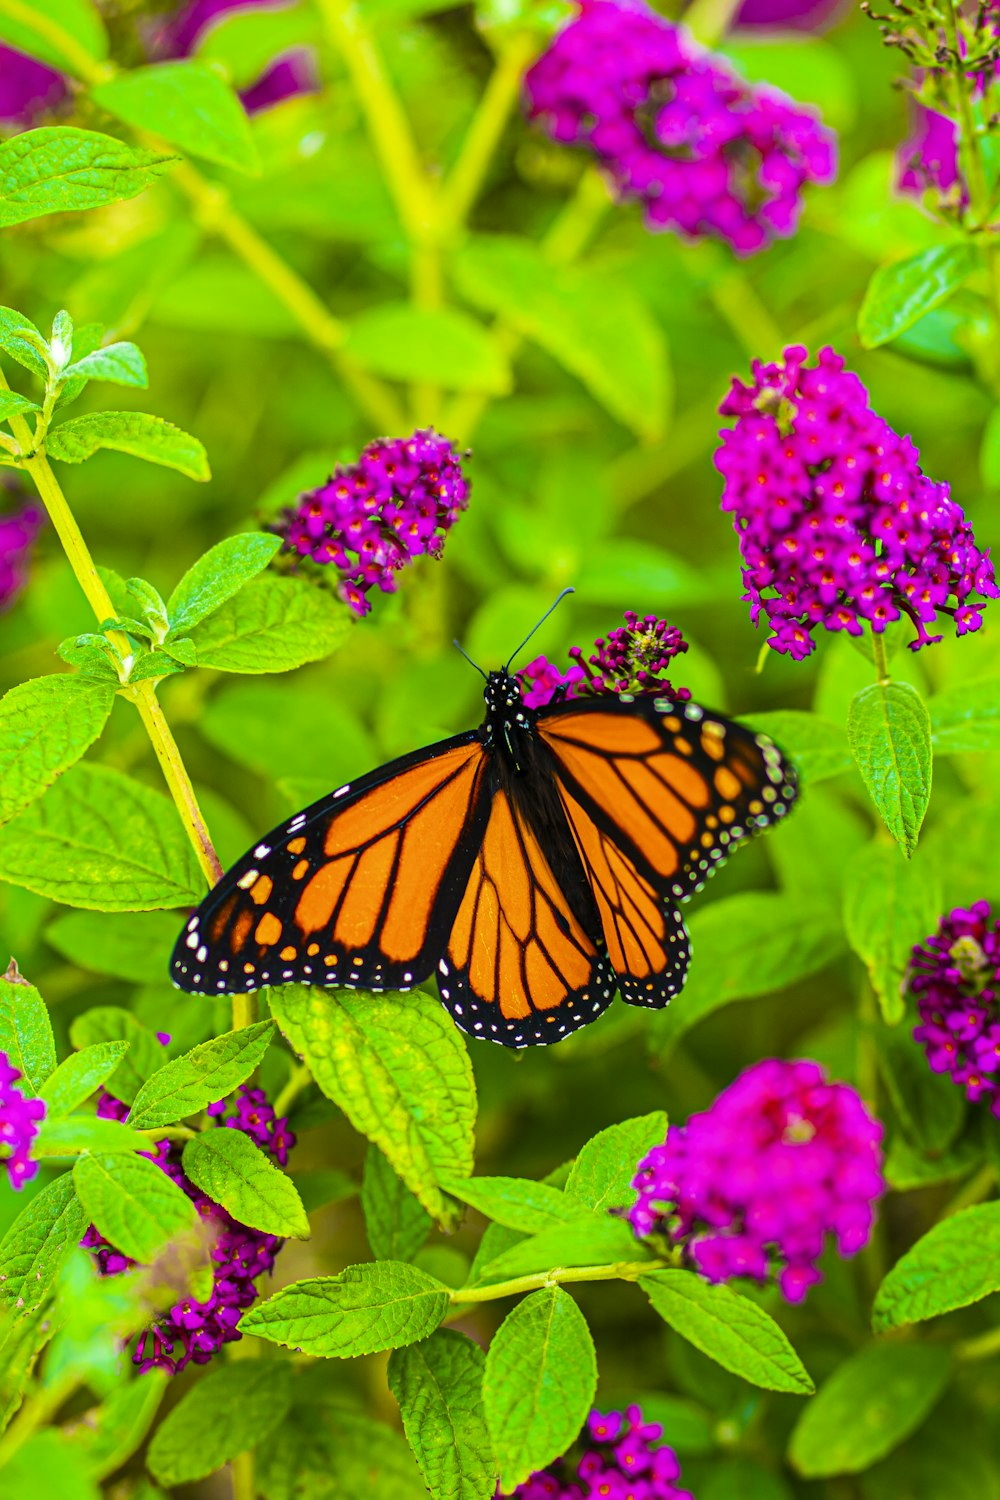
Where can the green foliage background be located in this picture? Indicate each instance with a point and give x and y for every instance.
(583, 359)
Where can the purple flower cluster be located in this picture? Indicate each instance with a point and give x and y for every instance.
(955, 979)
(191, 1332)
(373, 517)
(928, 159)
(17, 538)
(838, 525)
(622, 1459)
(781, 1159)
(19, 1121)
(703, 151)
(631, 660)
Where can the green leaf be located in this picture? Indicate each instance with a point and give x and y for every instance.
(78, 19)
(901, 293)
(135, 1205)
(217, 576)
(101, 840)
(363, 1310)
(966, 717)
(45, 726)
(233, 1171)
(135, 432)
(72, 1135)
(188, 105)
(440, 345)
(23, 342)
(397, 1066)
(79, 1076)
(13, 405)
(869, 1405)
(111, 1433)
(320, 1186)
(596, 1240)
(208, 1072)
(326, 1451)
(396, 1224)
(816, 746)
(272, 625)
(126, 945)
(601, 1176)
(889, 730)
(729, 1328)
(439, 1387)
(121, 364)
(47, 1465)
(539, 1383)
(955, 1264)
(518, 1203)
(35, 1246)
(57, 169)
(109, 1023)
(931, 1109)
(26, 1033)
(228, 1411)
(889, 904)
(748, 945)
(591, 322)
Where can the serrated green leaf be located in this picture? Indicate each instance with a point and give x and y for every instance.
(230, 1410)
(272, 625)
(121, 364)
(234, 1171)
(954, 1265)
(111, 1433)
(441, 345)
(889, 730)
(729, 1328)
(889, 904)
(869, 1405)
(518, 1203)
(816, 746)
(539, 1383)
(398, 1068)
(108, 1023)
(966, 717)
(45, 726)
(217, 576)
(901, 293)
(71, 1135)
(26, 1033)
(35, 1246)
(79, 20)
(186, 104)
(23, 342)
(135, 1205)
(748, 945)
(601, 1176)
(396, 1224)
(57, 169)
(126, 945)
(47, 1465)
(363, 1310)
(79, 1076)
(595, 1240)
(326, 1451)
(100, 840)
(135, 432)
(209, 1072)
(13, 405)
(439, 1387)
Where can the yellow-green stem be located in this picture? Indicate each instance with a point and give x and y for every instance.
(37, 1411)
(621, 1271)
(880, 657)
(968, 140)
(983, 1346)
(77, 59)
(245, 1011)
(978, 1187)
(300, 1079)
(244, 1479)
(175, 774)
(488, 124)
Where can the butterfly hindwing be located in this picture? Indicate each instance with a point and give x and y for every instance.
(525, 961)
(360, 889)
(676, 787)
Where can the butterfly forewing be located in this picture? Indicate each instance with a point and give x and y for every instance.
(525, 961)
(360, 889)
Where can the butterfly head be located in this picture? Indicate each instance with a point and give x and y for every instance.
(502, 693)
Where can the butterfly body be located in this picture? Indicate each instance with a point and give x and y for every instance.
(532, 865)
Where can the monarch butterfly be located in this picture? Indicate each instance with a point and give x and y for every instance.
(533, 865)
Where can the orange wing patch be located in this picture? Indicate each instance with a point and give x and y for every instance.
(521, 966)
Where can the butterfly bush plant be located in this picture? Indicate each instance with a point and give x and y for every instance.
(444, 310)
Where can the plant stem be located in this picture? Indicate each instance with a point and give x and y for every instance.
(175, 774)
(620, 1271)
(488, 124)
(245, 1011)
(244, 1480)
(979, 1186)
(983, 1346)
(76, 57)
(969, 151)
(36, 1412)
(735, 299)
(880, 657)
(300, 1079)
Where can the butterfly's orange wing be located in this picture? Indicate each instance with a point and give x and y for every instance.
(360, 890)
(525, 961)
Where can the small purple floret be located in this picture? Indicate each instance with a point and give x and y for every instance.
(620, 1457)
(373, 517)
(955, 979)
(838, 525)
(704, 152)
(20, 1118)
(754, 1185)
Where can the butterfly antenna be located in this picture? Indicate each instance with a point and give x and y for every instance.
(469, 660)
(538, 625)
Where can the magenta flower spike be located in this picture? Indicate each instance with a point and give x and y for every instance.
(955, 979)
(632, 659)
(20, 1118)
